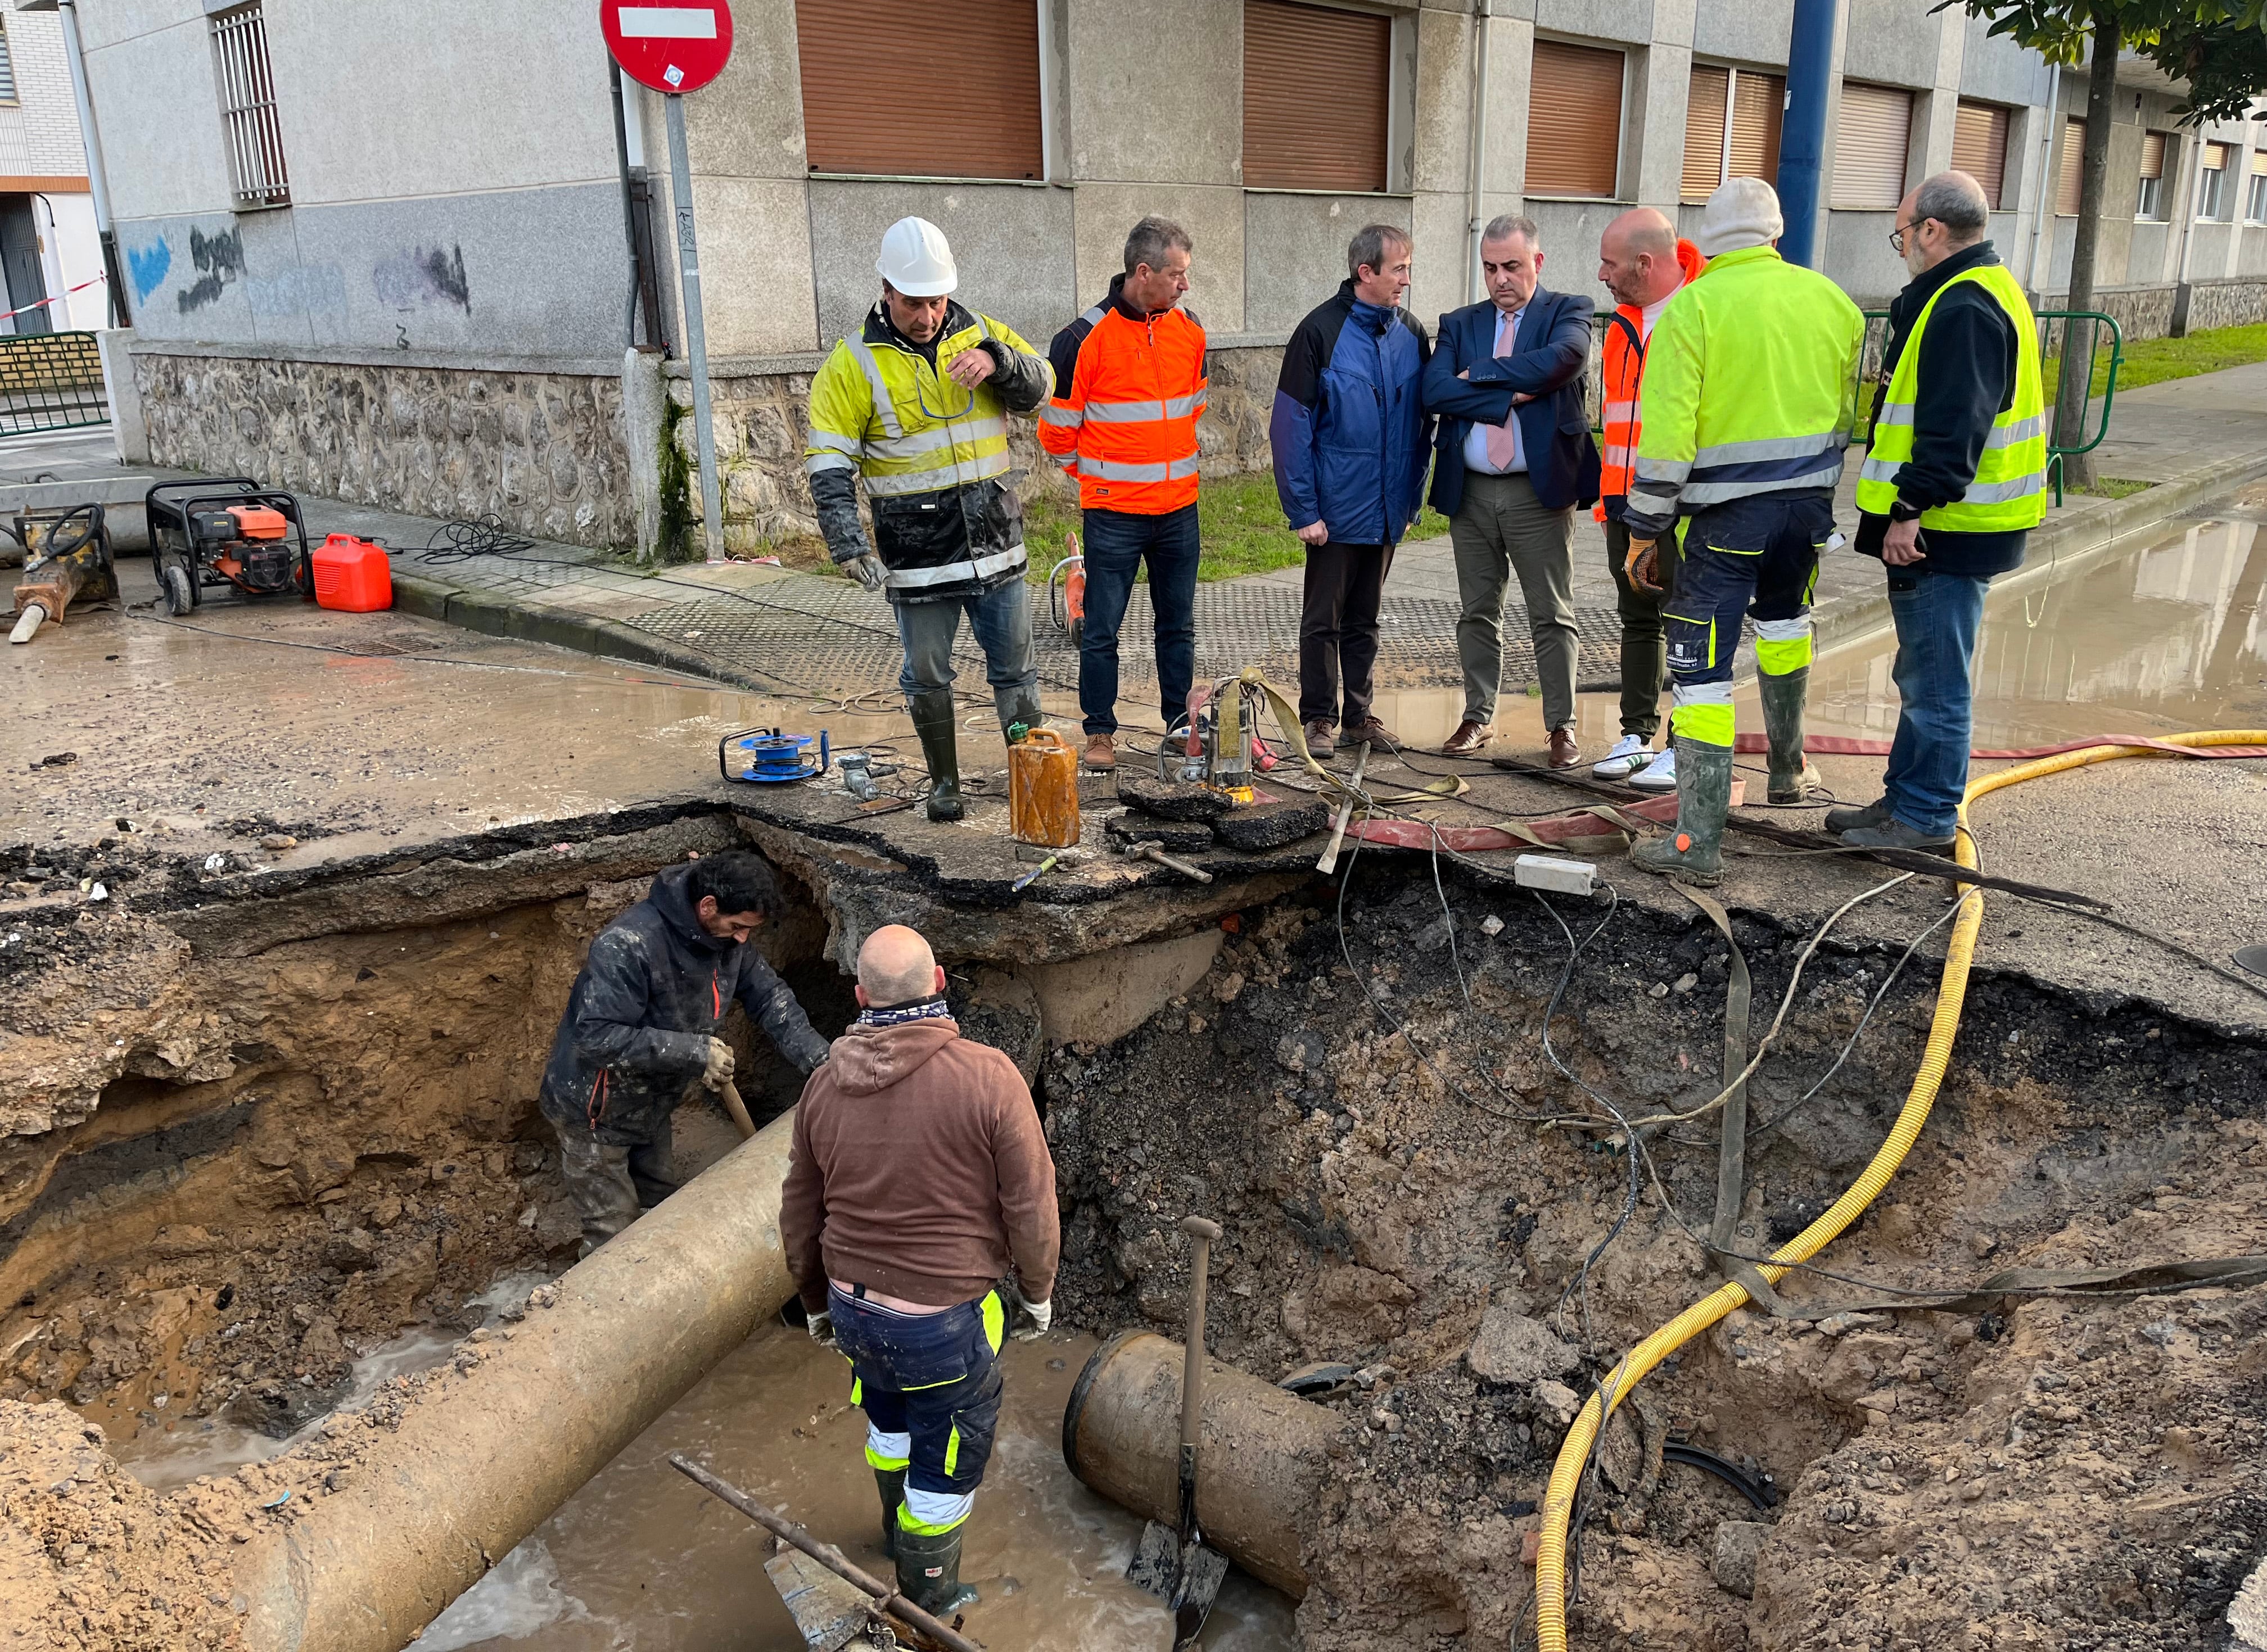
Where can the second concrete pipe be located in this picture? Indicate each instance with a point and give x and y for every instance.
(1263, 1456)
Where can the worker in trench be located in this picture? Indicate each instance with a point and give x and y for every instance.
(641, 1027)
(919, 1179)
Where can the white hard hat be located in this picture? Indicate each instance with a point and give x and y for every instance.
(917, 260)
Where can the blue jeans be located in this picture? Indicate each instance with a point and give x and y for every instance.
(1001, 621)
(929, 1385)
(1937, 616)
(1116, 543)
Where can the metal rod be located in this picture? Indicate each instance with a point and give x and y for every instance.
(696, 340)
(1803, 141)
(1329, 863)
(629, 213)
(97, 183)
(885, 1598)
(1203, 1232)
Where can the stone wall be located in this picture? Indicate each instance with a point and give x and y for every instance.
(2236, 302)
(762, 422)
(544, 452)
(2140, 312)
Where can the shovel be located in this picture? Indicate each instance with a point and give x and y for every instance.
(1175, 1565)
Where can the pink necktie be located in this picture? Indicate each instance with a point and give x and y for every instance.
(1503, 439)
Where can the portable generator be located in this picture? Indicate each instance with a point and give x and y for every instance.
(205, 535)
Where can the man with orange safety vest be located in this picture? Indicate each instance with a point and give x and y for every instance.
(1129, 387)
(1643, 263)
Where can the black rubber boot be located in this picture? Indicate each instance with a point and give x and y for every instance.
(893, 1482)
(928, 1572)
(1018, 705)
(933, 722)
(1693, 853)
(1792, 779)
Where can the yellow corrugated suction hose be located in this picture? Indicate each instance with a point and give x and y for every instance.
(1566, 1473)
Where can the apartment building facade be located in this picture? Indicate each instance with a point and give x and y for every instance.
(379, 249)
(50, 257)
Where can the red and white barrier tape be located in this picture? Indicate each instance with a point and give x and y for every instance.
(6, 315)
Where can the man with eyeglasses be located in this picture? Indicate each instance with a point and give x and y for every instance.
(1954, 482)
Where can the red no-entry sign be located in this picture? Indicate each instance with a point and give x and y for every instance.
(669, 45)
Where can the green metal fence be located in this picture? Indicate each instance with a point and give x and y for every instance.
(51, 381)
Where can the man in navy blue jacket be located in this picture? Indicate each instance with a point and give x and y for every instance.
(1516, 462)
(1350, 433)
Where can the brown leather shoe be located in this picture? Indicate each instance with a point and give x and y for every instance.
(1564, 753)
(1320, 745)
(1101, 753)
(1372, 732)
(1468, 740)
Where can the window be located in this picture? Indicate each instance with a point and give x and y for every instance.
(1731, 127)
(1979, 147)
(7, 68)
(1317, 86)
(1870, 145)
(2255, 197)
(2213, 201)
(2149, 203)
(1574, 122)
(2070, 168)
(965, 105)
(247, 109)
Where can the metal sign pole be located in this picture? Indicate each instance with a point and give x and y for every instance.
(696, 341)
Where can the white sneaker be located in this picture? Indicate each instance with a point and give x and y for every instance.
(1660, 775)
(1629, 752)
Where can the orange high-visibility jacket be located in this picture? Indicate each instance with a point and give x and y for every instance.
(1123, 419)
(1624, 371)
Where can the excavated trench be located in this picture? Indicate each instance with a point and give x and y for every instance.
(267, 1156)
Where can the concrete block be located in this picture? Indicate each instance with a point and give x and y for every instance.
(1106, 995)
(1994, 68)
(748, 121)
(1011, 243)
(1142, 115)
(1893, 42)
(133, 438)
(756, 272)
(1296, 246)
(159, 164)
(1738, 1543)
(1214, 217)
(645, 405)
(1510, 1348)
(1753, 32)
(1630, 20)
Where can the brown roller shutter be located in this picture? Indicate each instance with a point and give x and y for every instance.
(2070, 174)
(1869, 147)
(961, 102)
(1757, 103)
(2153, 154)
(1703, 132)
(1574, 122)
(1979, 147)
(1317, 84)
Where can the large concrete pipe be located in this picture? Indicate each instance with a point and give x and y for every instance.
(437, 1502)
(1261, 1459)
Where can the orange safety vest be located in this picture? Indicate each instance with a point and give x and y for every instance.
(1624, 370)
(1125, 421)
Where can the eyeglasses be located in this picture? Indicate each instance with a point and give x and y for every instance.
(1897, 236)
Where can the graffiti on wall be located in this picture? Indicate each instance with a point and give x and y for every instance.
(219, 259)
(421, 278)
(149, 264)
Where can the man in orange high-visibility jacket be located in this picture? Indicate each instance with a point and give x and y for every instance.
(1644, 265)
(1129, 386)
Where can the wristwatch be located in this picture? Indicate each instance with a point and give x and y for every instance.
(1900, 511)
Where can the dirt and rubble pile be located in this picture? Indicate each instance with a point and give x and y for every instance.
(1404, 1209)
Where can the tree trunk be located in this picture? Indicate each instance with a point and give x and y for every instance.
(2077, 339)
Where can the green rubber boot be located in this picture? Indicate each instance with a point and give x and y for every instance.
(1018, 705)
(933, 721)
(1792, 779)
(1693, 853)
(893, 1482)
(928, 1572)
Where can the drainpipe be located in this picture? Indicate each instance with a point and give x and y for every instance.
(470, 1472)
(2181, 290)
(97, 184)
(1802, 139)
(1482, 12)
(2041, 204)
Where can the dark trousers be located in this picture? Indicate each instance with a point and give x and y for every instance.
(1338, 631)
(611, 1185)
(929, 1385)
(1644, 651)
(1755, 558)
(1117, 544)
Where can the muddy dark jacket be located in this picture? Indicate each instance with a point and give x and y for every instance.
(651, 995)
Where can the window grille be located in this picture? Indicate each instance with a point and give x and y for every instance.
(247, 109)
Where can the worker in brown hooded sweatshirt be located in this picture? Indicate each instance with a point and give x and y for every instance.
(920, 1177)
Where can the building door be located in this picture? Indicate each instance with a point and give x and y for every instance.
(19, 258)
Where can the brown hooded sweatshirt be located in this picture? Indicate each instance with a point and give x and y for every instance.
(919, 1171)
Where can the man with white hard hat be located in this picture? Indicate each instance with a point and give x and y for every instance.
(917, 403)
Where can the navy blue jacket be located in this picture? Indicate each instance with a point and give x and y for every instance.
(651, 996)
(1554, 428)
(1349, 429)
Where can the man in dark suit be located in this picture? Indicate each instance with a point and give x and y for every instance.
(1515, 461)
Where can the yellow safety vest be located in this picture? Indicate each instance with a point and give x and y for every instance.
(2009, 491)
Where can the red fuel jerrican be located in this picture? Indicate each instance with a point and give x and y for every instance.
(352, 576)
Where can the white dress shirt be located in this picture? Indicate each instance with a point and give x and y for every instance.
(1476, 453)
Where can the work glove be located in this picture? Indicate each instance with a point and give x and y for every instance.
(1034, 1318)
(1641, 565)
(822, 1328)
(869, 570)
(717, 1072)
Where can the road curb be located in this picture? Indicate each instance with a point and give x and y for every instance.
(2057, 552)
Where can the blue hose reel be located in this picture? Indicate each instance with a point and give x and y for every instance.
(766, 756)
